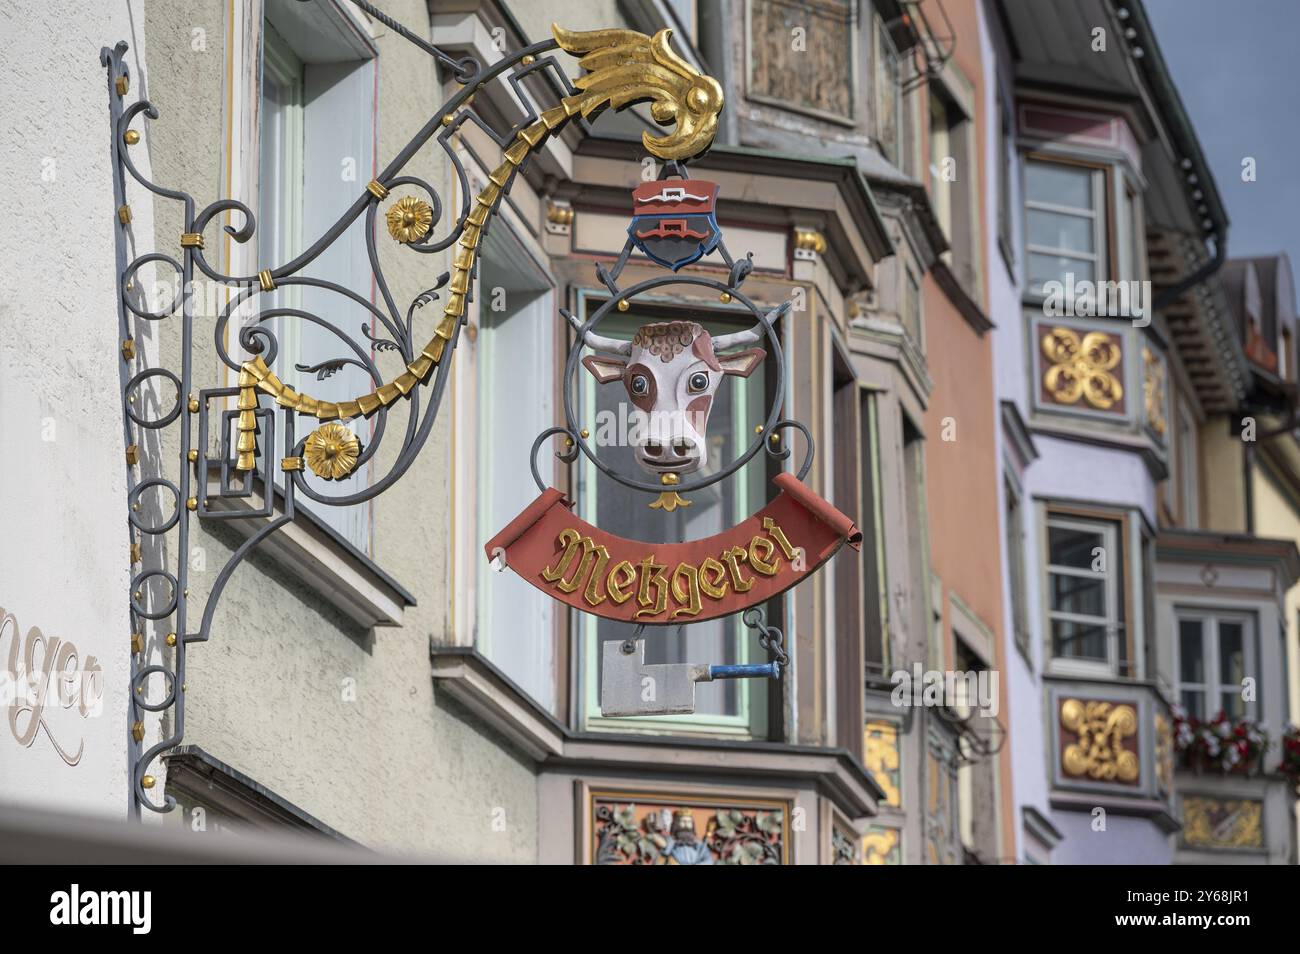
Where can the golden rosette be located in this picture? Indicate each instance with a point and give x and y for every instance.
(410, 219)
(331, 451)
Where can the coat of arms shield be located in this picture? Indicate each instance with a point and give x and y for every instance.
(673, 220)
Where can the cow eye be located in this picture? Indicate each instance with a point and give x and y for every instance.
(699, 382)
(640, 385)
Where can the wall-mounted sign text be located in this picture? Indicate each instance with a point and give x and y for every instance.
(661, 583)
(42, 671)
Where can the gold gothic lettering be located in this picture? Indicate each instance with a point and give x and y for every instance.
(582, 563)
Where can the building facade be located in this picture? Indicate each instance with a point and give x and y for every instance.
(1071, 533)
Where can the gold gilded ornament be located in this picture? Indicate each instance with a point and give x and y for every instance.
(410, 219)
(626, 67)
(1153, 391)
(669, 500)
(1222, 823)
(623, 68)
(332, 451)
(1082, 368)
(1098, 752)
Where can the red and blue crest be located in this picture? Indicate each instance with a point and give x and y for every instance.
(673, 220)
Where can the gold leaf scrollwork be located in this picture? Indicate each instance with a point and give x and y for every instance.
(1098, 752)
(880, 757)
(880, 846)
(1153, 391)
(1082, 368)
(1164, 752)
(625, 67)
(332, 451)
(1215, 823)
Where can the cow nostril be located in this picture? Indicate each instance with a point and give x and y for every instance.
(653, 449)
(682, 449)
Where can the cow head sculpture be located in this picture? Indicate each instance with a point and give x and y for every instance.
(672, 371)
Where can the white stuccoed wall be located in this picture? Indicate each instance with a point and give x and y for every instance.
(63, 542)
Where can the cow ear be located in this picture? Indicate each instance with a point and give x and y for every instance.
(604, 369)
(742, 363)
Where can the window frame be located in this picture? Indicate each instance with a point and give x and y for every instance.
(1114, 542)
(1100, 213)
(1007, 163)
(1189, 509)
(1013, 515)
(346, 43)
(752, 720)
(1210, 617)
(526, 267)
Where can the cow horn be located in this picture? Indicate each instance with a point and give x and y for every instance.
(750, 335)
(598, 342)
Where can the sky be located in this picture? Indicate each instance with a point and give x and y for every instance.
(1237, 69)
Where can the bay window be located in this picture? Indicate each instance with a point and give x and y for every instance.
(1085, 590)
(1216, 654)
(1065, 223)
(726, 707)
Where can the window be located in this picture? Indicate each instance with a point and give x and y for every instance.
(942, 166)
(1187, 463)
(317, 117)
(1064, 223)
(1015, 543)
(1006, 159)
(1085, 591)
(977, 767)
(889, 96)
(1216, 653)
(1132, 249)
(924, 615)
(516, 354)
(910, 307)
(728, 707)
(951, 159)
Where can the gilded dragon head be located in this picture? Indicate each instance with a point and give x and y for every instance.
(625, 67)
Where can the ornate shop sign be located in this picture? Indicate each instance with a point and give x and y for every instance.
(260, 428)
(597, 572)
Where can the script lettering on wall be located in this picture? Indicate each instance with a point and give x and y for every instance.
(44, 673)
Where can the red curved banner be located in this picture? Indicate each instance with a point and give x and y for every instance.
(662, 583)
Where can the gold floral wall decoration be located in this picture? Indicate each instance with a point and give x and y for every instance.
(1102, 747)
(1222, 823)
(1164, 753)
(1083, 368)
(880, 756)
(1153, 391)
(880, 846)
